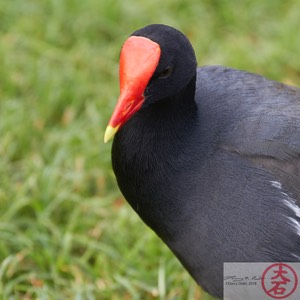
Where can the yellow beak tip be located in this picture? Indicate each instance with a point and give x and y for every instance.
(109, 133)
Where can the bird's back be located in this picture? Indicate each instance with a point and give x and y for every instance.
(254, 117)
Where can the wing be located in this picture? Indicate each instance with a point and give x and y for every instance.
(269, 136)
(272, 143)
(257, 118)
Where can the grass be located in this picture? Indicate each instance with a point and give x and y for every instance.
(65, 230)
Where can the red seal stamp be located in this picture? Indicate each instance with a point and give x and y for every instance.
(279, 281)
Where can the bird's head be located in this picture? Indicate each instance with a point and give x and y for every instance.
(156, 62)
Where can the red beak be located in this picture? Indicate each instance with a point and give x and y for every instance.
(138, 61)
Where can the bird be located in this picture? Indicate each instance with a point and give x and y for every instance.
(208, 157)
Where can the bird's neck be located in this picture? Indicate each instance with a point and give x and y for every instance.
(176, 113)
(161, 128)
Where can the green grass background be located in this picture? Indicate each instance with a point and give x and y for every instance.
(65, 230)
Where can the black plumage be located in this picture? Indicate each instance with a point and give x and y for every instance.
(211, 162)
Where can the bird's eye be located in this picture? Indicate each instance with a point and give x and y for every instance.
(166, 72)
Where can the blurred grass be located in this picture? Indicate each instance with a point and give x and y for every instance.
(65, 231)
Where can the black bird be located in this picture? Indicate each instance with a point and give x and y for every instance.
(208, 157)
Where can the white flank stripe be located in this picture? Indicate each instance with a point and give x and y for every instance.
(295, 224)
(293, 206)
(276, 184)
